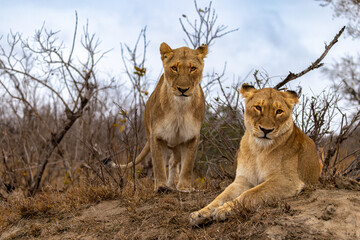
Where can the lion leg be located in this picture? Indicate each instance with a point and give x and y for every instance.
(158, 151)
(234, 190)
(188, 154)
(174, 162)
(271, 190)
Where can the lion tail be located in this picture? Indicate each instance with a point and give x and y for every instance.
(144, 152)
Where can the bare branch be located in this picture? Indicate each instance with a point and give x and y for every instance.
(291, 76)
(204, 30)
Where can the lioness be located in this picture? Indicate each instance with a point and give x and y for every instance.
(173, 117)
(275, 158)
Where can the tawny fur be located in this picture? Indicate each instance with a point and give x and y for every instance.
(173, 116)
(275, 159)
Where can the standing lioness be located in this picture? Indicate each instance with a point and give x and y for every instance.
(275, 158)
(173, 116)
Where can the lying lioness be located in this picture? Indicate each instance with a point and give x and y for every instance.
(173, 117)
(275, 158)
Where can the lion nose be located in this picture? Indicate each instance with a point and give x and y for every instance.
(183, 90)
(266, 131)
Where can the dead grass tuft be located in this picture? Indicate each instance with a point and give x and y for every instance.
(51, 203)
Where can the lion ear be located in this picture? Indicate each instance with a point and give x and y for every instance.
(291, 97)
(202, 50)
(247, 90)
(165, 50)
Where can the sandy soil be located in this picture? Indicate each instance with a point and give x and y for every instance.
(318, 213)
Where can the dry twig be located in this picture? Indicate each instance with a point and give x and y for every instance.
(291, 76)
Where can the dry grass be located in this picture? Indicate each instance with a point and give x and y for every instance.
(50, 202)
(52, 206)
(108, 212)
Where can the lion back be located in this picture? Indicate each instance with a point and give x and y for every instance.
(309, 166)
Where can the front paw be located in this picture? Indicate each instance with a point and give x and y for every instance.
(251, 200)
(199, 217)
(163, 189)
(221, 213)
(187, 188)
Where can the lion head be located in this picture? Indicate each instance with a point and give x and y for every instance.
(183, 68)
(268, 112)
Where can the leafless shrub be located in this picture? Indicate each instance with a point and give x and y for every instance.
(135, 69)
(332, 155)
(349, 9)
(315, 115)
(204, 29)
(128, 119)
(221, 131)
(38, 74)
(346, 77)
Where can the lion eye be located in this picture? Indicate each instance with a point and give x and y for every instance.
(279, 111)
(174, 68)
(258, 108)
(193, 69)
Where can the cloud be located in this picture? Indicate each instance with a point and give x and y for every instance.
(278, 36)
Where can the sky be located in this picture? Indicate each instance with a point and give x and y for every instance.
(273, 36)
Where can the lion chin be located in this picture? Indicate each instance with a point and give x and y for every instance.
(264, 141)
(275, 159)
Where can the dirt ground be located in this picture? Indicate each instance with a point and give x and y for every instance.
(319, 213)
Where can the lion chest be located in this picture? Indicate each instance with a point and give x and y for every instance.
(177, 128)
(255, 168)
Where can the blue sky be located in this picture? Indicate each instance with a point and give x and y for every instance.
(277, 36)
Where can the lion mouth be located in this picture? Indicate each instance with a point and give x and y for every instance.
(265, 137)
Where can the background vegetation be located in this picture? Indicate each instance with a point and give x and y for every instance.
(60, 116)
